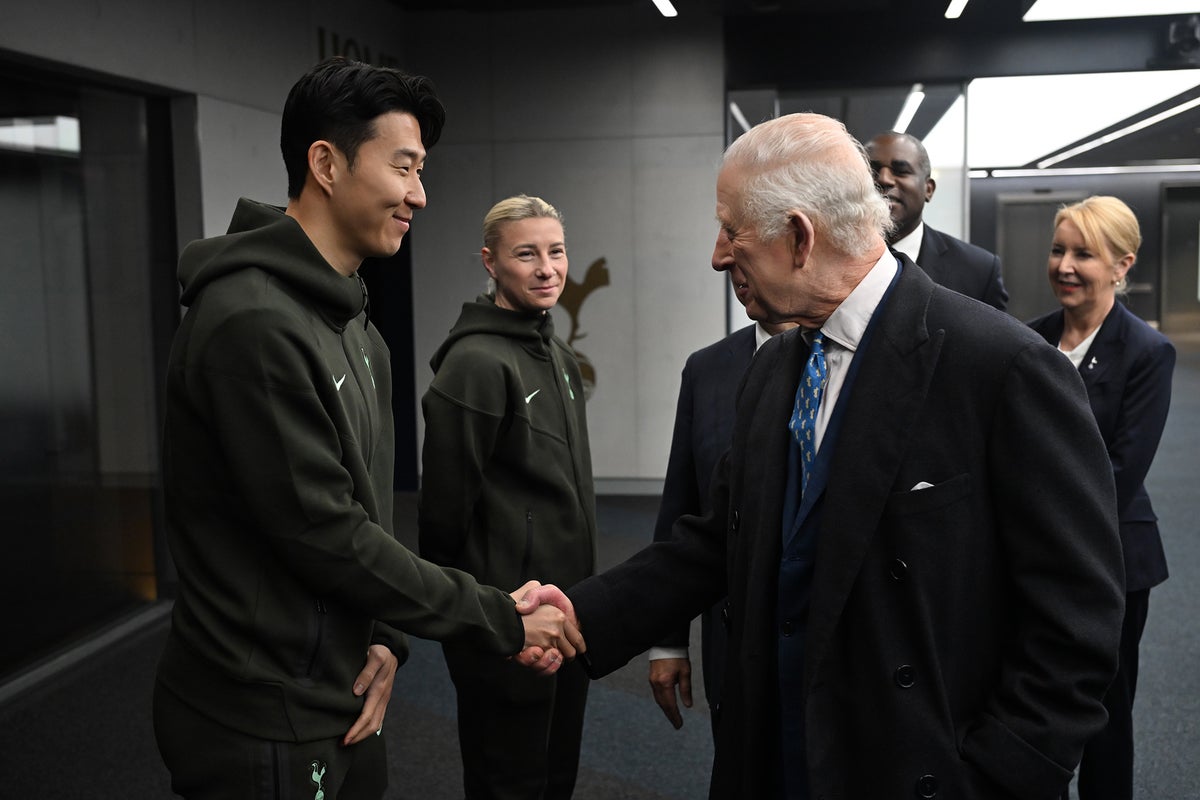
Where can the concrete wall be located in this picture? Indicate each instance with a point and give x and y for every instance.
(614, 115)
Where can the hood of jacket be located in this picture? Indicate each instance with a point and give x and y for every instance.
(263, 237)
(484, 316)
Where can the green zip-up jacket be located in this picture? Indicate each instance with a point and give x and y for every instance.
(278, 461)
(506, 485)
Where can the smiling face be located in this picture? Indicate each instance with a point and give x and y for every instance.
(897, 166)
(528, 263)
(374, 198)
(1083, 277)
(760, 271)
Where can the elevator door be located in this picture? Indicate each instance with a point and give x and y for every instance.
(1024, 228)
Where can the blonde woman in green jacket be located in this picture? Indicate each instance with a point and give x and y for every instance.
(507, 495)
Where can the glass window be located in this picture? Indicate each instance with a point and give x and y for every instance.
(87, 300)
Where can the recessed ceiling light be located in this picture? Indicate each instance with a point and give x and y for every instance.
(1043, 10)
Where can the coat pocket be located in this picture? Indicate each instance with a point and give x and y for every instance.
(917, 501)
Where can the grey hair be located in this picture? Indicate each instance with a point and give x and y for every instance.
(812, 163)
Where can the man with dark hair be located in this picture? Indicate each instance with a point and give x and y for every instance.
(902, 172)
(915, 525)
(323, 106)
(278, 460)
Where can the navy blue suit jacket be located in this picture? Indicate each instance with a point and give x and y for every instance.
(703, 429)
(963, 267)
(1127, 372)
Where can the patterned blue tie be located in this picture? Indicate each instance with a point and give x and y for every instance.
(803, 423)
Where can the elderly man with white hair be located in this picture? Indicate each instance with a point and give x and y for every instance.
(915, 525)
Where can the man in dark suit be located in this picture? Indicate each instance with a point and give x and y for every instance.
(904, 177)
(936, 612)
(703, 427)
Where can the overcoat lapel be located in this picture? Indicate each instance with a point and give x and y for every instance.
(888, 395)
(766, 408)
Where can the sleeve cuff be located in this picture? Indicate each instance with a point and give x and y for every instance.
(659, 653)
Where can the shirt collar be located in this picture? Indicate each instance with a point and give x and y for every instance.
(911, 245)
(760, 335)
(848, 322)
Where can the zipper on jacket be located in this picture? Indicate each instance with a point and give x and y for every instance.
(367, 361)
(366, 300)
(528, 557)
(322, 612)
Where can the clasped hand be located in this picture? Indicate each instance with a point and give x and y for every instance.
(551, 629)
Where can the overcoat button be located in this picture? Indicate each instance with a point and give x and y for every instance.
(725, 616)
(899, 569)
(905, 676)
(734, 521)
(927, 787)
(786, 628)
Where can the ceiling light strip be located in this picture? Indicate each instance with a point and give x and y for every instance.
(1049, 10)
(665, 8)
(955, 9)
(911, 103)
(1081, 171)
(1117, 134)
(739, 117)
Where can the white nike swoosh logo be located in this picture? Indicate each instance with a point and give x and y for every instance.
(530, 397)
(338, 382)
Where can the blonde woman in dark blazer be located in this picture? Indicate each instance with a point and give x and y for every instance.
(1126, 366)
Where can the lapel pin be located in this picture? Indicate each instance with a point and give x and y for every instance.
(1092, 363)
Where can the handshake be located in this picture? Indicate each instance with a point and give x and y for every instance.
(551, 630)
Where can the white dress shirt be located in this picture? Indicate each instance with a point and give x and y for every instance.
(1080, 351)
(911, 245)
(844, 330)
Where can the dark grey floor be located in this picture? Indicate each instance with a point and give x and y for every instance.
(86, 733)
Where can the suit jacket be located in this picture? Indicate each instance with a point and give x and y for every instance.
(963, 267)
(960, 637)
(1127, 372)
(703, 428)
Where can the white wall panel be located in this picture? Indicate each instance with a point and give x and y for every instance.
(678, 78)
(592, 186)
(153, 41)
(679, 301)
(446, 239)
(562, 76)
(240, 157)
(252, 52)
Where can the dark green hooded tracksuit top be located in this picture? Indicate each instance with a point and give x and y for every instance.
(506, 487)
(278, 461)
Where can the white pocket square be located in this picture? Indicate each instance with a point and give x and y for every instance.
(921, 485)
